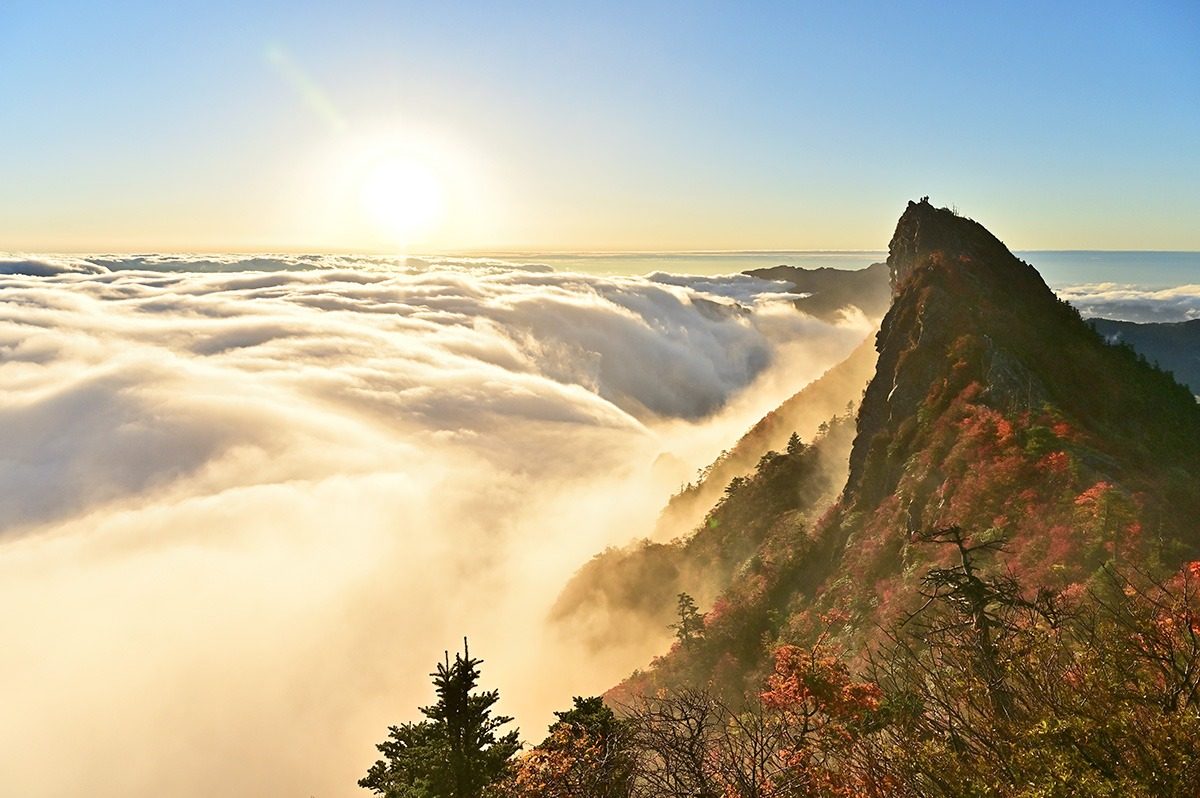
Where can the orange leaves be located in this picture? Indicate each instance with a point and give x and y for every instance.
(811, 683)
(971, 393)
(1166, 615)
(1093, 495)
(823, 711)
(561, 766)
(1056, 462)
(836, 616)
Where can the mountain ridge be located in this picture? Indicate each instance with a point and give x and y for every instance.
(993, 407)
(1171, 345)
(829, 292)
(962, 298)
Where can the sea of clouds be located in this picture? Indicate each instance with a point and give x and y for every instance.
(1125, 302)
(245, 503)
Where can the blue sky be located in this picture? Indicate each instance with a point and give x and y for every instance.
(595, 126)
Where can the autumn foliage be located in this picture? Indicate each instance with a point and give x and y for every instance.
(1099, 690)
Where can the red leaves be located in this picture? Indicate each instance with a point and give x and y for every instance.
(824, 711)
(810, 683)
(1056, 462)
(1094, 494)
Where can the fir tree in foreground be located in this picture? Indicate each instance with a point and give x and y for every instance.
(456, 752)
(989, 690)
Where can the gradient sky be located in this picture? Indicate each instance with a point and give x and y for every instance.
(596, 126)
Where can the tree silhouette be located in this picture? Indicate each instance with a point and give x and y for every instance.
(794, 445)
(455, 752)
(690, 625)
(973, 598)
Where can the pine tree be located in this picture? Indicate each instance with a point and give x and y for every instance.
(691, 623)
(455, 752)
(794, 445)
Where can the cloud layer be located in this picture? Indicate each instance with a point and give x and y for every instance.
(1124, 302)
(246, 503)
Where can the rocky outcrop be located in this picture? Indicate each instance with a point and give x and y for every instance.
(967, 311)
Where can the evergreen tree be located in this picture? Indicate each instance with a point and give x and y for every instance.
(455, 752)
(794, 445)
(587, 754)
(691, 623)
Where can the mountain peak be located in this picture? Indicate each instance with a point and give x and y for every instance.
(994, 408)
(930, 237)
(971, 325)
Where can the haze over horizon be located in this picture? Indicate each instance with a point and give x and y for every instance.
(374, 127)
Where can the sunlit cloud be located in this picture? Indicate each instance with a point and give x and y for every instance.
(47, 267)
(247, 501)
(1132, 303)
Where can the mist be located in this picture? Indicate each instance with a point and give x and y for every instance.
(244, 511)
(1123, 302)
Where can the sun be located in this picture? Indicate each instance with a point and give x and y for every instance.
(387, 189)
(403, 198)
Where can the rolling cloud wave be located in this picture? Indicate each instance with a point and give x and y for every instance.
(247, 502)
(1124, 302)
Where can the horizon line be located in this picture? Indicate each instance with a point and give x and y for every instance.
(523, 252)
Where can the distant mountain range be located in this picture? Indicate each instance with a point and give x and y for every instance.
(1174, 346)
(829, 291)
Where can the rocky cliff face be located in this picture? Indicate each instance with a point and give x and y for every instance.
(966, 312)
(993, 407)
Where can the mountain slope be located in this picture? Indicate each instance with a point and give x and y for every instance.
(994, 406)
(964, 301)
(1174, 346)
(624, 597)
(802, 413)
(831, 291)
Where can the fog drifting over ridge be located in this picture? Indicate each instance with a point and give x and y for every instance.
(246, 507)
(1125, 302)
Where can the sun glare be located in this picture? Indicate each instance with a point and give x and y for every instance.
(384, 189)
(402, 198)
